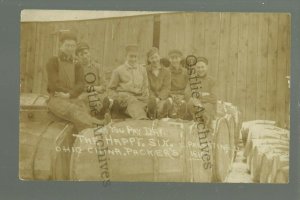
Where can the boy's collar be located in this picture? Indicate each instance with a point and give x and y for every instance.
(130, 66)
(173, 69)
(64, 57)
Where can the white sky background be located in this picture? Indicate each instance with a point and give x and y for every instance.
(64, 15)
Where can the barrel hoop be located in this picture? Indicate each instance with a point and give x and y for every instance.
(37, 145)
(54, 155)
(215, 145)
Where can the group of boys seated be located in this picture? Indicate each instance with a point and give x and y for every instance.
(163, 88)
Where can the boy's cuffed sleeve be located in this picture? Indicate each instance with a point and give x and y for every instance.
(113, 84)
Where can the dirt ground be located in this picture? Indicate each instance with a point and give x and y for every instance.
(239, 172)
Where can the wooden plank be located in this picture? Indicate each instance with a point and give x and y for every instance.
(55, 39)
(133, 29)
(109, 37)
(187, 45)
(281, 87)
(37, 52)
(26, 64)
(233, 58)
(172, 32)
(105, 46)
(178, 31)
(40, 45)
(212, 35)
(223, 64)
(272, 66)
(24, 33)
(262, 64)
(242, 63)
(47, 54)
(156, 30)
(30, 61)
(251, 87)
(118, 59)
(181, 33)
(36, 57)
(133, 32)
(164, 28)
(199, 35)
(96, 41)
(288, 68)
(145, 36)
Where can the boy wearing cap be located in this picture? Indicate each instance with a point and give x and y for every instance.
(94, 94)
(128, 85)
(65, 84)
(179, 80)
(159, 86)
(201, 91)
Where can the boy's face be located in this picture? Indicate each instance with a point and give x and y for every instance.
(175, 60)
(131, 58)
(84, 56)
(201, 68)
(154, 59)
(68, 47)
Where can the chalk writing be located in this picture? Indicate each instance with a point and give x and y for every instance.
(141, 131)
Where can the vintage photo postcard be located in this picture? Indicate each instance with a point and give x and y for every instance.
(154, 96)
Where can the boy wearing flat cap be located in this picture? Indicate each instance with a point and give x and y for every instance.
(201, 91)
(94, 95)
(65, 84)
(128, 86)
(159, 77)
(179, 80)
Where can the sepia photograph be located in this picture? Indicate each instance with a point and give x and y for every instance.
(140, 96)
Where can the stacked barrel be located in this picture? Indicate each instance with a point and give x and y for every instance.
(142, 150)
(225, 139)
(159, 150)
(43, 139)
(137, 150)
(266, 150)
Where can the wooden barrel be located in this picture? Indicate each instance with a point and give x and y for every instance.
(267, 173)
(236, 114)
(266, 149)
(279, 162)
(144, 150)
(222, 150)
(246, 125)
(255, 164)
(263, 131)
(232, 140)
(282, 175)
(262, 147)
(42, 140)
(238, 125)
(266, 166)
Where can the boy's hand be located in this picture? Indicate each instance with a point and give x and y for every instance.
(205, 94)
(100, 89)
(197, 102)
(62, 95)
(157, 99)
